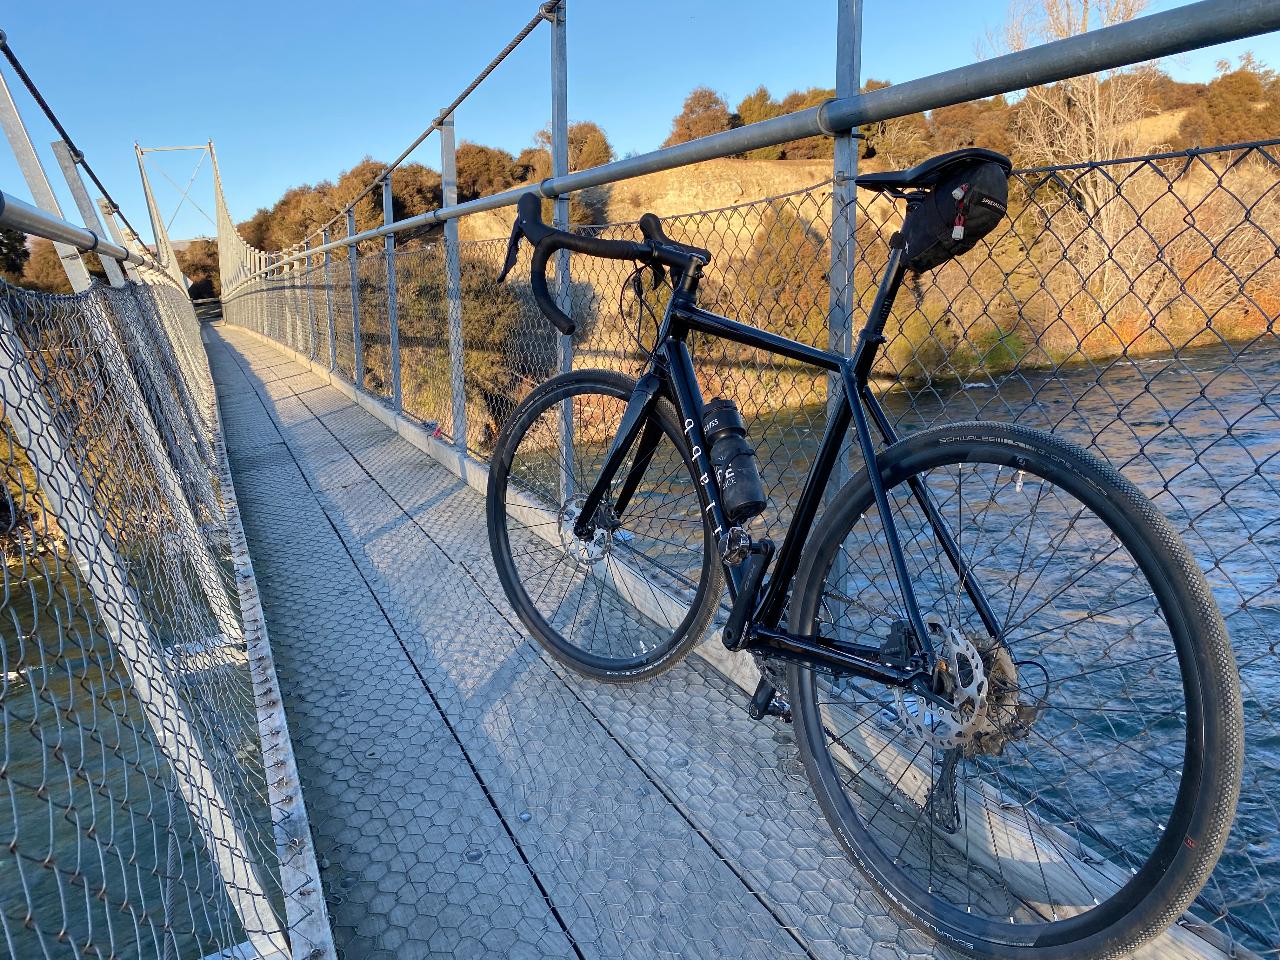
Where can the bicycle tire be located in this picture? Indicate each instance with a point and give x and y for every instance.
(1156, 889)
(650, 580)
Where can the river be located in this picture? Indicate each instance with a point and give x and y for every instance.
(1199, 433)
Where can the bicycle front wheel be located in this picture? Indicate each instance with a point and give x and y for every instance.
(631, 600)
(1073, 790)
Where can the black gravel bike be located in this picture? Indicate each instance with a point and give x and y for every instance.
(1011, 688)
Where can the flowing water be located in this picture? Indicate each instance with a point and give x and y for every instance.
(1199, 433)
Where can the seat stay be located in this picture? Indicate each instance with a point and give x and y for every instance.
(920, 492)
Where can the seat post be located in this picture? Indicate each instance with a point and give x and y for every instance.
(872, 336)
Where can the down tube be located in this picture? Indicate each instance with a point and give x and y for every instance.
(684, 383)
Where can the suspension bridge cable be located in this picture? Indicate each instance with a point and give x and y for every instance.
(76, 153)
(544, 12)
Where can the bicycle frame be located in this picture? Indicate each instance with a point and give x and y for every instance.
(671, 374)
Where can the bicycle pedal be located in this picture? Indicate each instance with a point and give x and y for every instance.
(766, 702)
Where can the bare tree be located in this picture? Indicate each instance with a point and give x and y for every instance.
(1094, 117)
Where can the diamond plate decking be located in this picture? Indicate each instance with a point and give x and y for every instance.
(469, 798)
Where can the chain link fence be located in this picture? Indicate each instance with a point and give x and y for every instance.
(138, 817)
(1129, 305)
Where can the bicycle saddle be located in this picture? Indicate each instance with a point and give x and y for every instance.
(931, 171)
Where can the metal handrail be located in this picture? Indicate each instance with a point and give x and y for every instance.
(1157, 35)
(20, 215)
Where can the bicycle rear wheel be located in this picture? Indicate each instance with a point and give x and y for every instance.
(631, 601)
(1075, 795)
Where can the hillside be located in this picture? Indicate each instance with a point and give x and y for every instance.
(723, 183)
(708, 186)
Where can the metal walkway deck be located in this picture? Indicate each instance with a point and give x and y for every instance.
(468, 797)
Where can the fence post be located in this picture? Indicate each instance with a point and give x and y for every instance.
(357, 373)
(260, 297)
(38, 183)
(107, 579)
(560, 217)
(289, 272)
(285, 320)
(264, 320)
(843, 213)
(393, 315)
(311, 307)
(328, 296)
(270, 325)
(281, 313)
(453, 285)
(843, 257)
(68, 162)
(264, 304)
(289, 285)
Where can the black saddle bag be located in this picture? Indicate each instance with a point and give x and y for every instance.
(961, 209)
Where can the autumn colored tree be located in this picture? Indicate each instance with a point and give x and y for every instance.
(1169, 94)
(483, 171)
(1239, 105)
(785, 275)
(899, 142)
(754, 107)
(978, 123)
(588, 147)
(704, 113)
(13, 253)
(43, 269)
(414, 189)
(302, 210)
(199, 262)
(255, 230)
(509, 345)
(532, 165)
(810, 148)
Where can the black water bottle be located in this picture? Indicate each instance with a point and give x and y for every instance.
(741, 489)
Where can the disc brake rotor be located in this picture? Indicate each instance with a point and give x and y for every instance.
(963, 679)
(583, 553)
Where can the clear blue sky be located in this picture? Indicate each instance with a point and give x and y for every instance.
(295, 93)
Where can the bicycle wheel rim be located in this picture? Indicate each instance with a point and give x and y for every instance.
(653, 584)
(1159, 856)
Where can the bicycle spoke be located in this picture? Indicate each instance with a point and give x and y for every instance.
(1010, 844)
(616, 596)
